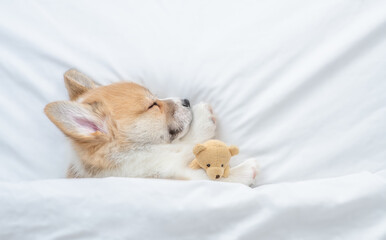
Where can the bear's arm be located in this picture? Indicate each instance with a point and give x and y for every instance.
(226, 171)
(194, 164)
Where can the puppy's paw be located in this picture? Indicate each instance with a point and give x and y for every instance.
(204, 122)
(204, 112)
(245, 173)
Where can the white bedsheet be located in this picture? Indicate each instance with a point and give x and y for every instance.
(300, 85)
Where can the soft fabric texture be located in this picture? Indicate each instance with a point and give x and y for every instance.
(300, 85)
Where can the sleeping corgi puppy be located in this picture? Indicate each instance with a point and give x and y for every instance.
(123, 130)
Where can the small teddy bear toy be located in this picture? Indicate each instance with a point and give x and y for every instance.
(213, 156)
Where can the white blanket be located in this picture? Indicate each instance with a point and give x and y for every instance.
(300, 85)
(347, 207)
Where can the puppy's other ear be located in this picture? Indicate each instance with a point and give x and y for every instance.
(81, 122)
(233, 150)
(198, 148)
(77, 83)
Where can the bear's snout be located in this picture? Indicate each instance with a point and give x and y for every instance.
(215, 172)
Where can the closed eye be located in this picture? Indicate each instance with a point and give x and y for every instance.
(154, 104)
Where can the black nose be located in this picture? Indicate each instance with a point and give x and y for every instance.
(217, 176)
(185, 103)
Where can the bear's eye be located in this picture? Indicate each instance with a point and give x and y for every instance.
(208, 165)
(222, 165)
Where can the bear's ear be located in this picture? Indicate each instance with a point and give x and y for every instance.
(198, 148)
(233, 150)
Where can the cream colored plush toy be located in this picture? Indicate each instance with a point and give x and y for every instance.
(213, 156)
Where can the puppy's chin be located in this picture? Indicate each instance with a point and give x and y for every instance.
(181, 125)
(175, 134)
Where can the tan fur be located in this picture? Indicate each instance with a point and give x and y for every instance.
(116, 105)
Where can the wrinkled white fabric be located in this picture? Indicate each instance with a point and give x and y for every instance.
(300, 85)
(349, 207)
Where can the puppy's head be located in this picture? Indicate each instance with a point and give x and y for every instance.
(121, 113)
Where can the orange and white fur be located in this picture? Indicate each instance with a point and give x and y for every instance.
(123, 130)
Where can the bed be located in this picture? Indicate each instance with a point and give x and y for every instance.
(300, 85)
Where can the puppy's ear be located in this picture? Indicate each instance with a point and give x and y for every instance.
(233, 150)
(198, 148)
(81, 122)
(77, 83)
